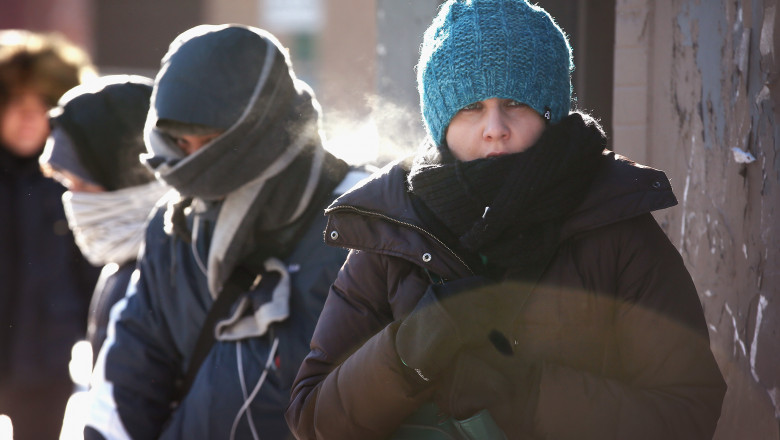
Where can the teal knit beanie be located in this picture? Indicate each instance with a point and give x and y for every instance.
(480, 49)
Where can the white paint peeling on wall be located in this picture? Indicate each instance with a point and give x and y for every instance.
(716, 240)
(737, 341)
(766, 46)
(683, 217)
(774, 394)
(710, 236)
(762, 303)
(684, 205)
(701, 231)
(738, 21)
(763, 95)
(742, 156)
(743, 52)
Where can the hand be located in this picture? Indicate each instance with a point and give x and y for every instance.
(477, 305)
(470, 386)
(485, 379)
(447, 317)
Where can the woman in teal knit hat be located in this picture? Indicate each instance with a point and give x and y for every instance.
(509, 280)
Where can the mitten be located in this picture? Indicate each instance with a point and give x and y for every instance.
(503, 384)
(447, 317)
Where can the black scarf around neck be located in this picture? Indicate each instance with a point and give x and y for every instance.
(509, 209)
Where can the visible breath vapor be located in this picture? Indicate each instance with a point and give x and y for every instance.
(387, 131)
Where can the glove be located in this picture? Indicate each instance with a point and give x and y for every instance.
(470, 386)
(448, 317)
(508, 386)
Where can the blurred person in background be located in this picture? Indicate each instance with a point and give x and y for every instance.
(234, 271)
(94, 150)
(45, 282)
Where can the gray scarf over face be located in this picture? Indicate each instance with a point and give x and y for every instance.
(263, 169)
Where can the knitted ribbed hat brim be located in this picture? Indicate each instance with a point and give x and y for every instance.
(480, 49)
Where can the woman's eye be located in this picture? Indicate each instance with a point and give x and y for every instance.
(513, 103)
(472, 106)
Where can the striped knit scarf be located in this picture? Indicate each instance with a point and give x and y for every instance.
(264, 170)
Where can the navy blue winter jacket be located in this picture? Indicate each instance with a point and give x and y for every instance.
(156, 329)
(45, 283)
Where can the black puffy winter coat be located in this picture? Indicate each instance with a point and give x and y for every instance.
(615, 321)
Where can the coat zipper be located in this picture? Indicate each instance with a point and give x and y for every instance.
(399, 222)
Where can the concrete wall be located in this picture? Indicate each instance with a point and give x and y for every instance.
(695, 90)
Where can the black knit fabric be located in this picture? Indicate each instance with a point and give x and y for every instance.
(509, 209)
(106, 128)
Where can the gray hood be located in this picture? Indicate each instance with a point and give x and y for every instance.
(237, 78)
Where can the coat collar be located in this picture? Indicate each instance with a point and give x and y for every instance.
(621, 190)
(377, 214)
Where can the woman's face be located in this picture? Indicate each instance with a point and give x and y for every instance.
(24, 123)
(493, 127)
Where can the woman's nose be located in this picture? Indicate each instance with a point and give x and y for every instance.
(496, 125)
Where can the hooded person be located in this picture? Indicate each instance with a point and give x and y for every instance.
(237, 135)
(93, 150)
(45, 282)
(509, 280)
